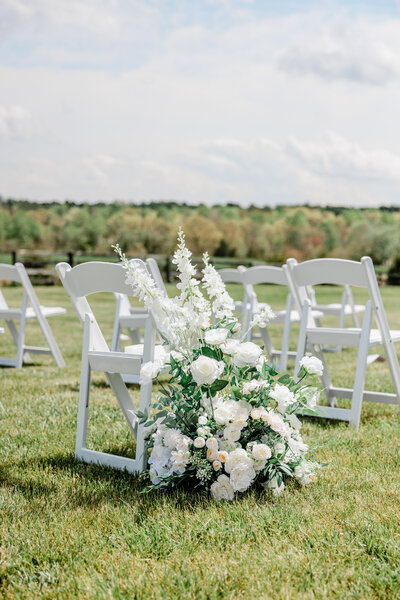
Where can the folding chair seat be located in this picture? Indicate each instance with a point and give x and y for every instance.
(357, 274)
(30, 310)
(80, 282)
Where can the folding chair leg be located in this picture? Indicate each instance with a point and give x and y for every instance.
(267, 341)
(83, 409)
(302, 341)
(145, 400)
(15, 333)
(359, 381)
(285, 336)
(21, 334)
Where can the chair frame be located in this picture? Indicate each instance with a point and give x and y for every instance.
(268, 274)
(79, 282)
(17, 273)
(358, 274)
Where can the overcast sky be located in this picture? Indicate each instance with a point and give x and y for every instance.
(214, 101)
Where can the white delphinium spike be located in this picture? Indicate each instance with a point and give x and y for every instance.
(223, 305)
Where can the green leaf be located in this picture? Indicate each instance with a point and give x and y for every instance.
(285, 379)
(218, 385)
(206, 351)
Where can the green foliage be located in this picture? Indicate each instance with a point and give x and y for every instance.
(265, 234)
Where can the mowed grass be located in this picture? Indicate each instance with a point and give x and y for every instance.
(70, 530)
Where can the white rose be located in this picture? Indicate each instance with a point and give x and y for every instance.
(247, 354)
(217, 465)
(256, 413)
(242, 476)
(222, 456)
(261, 452)
(199, 442)
(215, 337)
(232, 432)
(212, 443)
(206, 370)
(202, 420)
(150, 370)
(312, 365)
(222, 489)
(230, 346)
(222, 414)
(203, 432)
(212, 454)
(283, 396)
(276, 489)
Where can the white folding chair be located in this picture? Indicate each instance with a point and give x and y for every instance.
(30, 310)
(358, 274)
(266, 274)
(79, 282)
(235, 276)
(133, 318)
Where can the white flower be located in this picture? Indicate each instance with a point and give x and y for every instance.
(261, 452)
(215, 337)
(222, 456)
(230, 346)
(222, 414)
(283, 396)
(297, 446)
(212, 442)
(206, 370)
(311, 394)
(257, 413)
(222, 489)
(279, 448)
(171, 438)
(304, 473)
(203, 432)
(264, 314)
(312, 365)
(237, 456)
(199, 442)
(247, 354)
(276, 489)
(212, 454)
(150, 370)
(228, 446)
(252, 386)
(276, 423)
(232, 432)
(217, 465)
(179, 461)
(202, 420)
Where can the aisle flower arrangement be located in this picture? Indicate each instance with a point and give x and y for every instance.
(226, 421)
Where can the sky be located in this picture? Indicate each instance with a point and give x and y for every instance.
(259, 102)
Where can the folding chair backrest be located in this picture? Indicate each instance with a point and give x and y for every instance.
(90, 278)
(264, 274)
(154, 271)
(9, 273)
(231, 275)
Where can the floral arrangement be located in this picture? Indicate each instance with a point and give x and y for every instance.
(226, 420)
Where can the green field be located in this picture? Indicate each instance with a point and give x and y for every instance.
(75, 531)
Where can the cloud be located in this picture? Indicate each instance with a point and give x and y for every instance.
(14, 123)
(346, 50)
(335, 156)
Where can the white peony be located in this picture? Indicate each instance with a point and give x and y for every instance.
(283, 396)
(312, 365)
(215, 337)
(236, 457)
(199, 442)
(247, 354)
(232, 432)
(171, 438)
(261, 452)
(242, 477)
(206, 370)
(222, 489)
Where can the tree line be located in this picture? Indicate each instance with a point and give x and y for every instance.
(267, 234)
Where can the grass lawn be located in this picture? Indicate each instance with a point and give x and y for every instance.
(75, 531)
